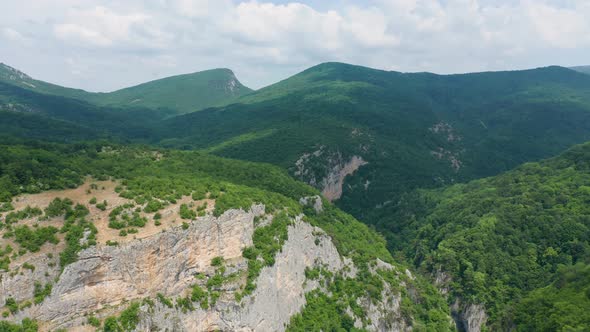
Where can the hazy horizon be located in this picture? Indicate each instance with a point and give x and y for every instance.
(104, 45)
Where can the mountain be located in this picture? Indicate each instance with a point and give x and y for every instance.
(438, 164)
(130, 238)
(29, 114)
(182, 94)
(582, 69)
(365, 137)
(506, 246)
(13, 76)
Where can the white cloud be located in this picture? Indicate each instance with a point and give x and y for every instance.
(12, 34)
(116, 43)
(561, 27)
(100, 26)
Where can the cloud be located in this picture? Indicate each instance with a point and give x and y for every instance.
(561, 27)
(12, 35)
(102, 27)
(117, 43)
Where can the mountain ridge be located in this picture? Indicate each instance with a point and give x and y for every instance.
(582, 69)
(182, 93)
(445, 167)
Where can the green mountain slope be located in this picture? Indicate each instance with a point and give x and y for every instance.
(182, 94)
(492, 241)
(402, 131)
(563, 305)
(26, 113)
(412, 130)
(379, 143)
(582, 69)
(13, 76)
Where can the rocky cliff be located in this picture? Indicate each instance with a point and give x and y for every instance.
(158, 272)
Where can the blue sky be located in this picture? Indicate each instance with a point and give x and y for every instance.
(102, 45)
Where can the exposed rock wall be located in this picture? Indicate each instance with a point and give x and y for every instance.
(106, 278)
(335, 169)
(279, 293)
(469, 317)
(333, 182)
(164, 263)
(474, 317)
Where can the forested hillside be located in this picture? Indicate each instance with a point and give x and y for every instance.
(28, 114)
(410, 130)
(176, 94)
(508, 241)
(582, 69)
(406, 153)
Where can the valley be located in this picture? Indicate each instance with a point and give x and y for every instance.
(342, 198)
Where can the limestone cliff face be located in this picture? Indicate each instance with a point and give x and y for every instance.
(279, 294)
(106, 278)
(165, 263)
(469, 317)
(333, 170)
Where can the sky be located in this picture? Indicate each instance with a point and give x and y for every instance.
(104, 45)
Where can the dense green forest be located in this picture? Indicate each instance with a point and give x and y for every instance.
(485, 123)
(502, 237)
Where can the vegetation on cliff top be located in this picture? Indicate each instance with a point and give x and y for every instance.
(146, 175)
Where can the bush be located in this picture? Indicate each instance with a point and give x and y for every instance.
(102, 206)
(164, 300)
(40, 292)
(27, 325)
(32, 240)
(217, 261)
(58, 207)
(11, 305)
(186, 213)
(129, 318)
(93, 321)
(111, 325)
(153, 206)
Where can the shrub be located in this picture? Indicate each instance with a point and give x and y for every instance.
(217, 261)
(93, 321)
(102, 206)
(32, 240)
(153, 206)
(11, 305)
(186, 213)
(40, 292)
(164, 300)
(58, 207)
(129, 318)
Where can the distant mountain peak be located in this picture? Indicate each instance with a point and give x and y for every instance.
(12, 73)
(181, 93)
(581, 69)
